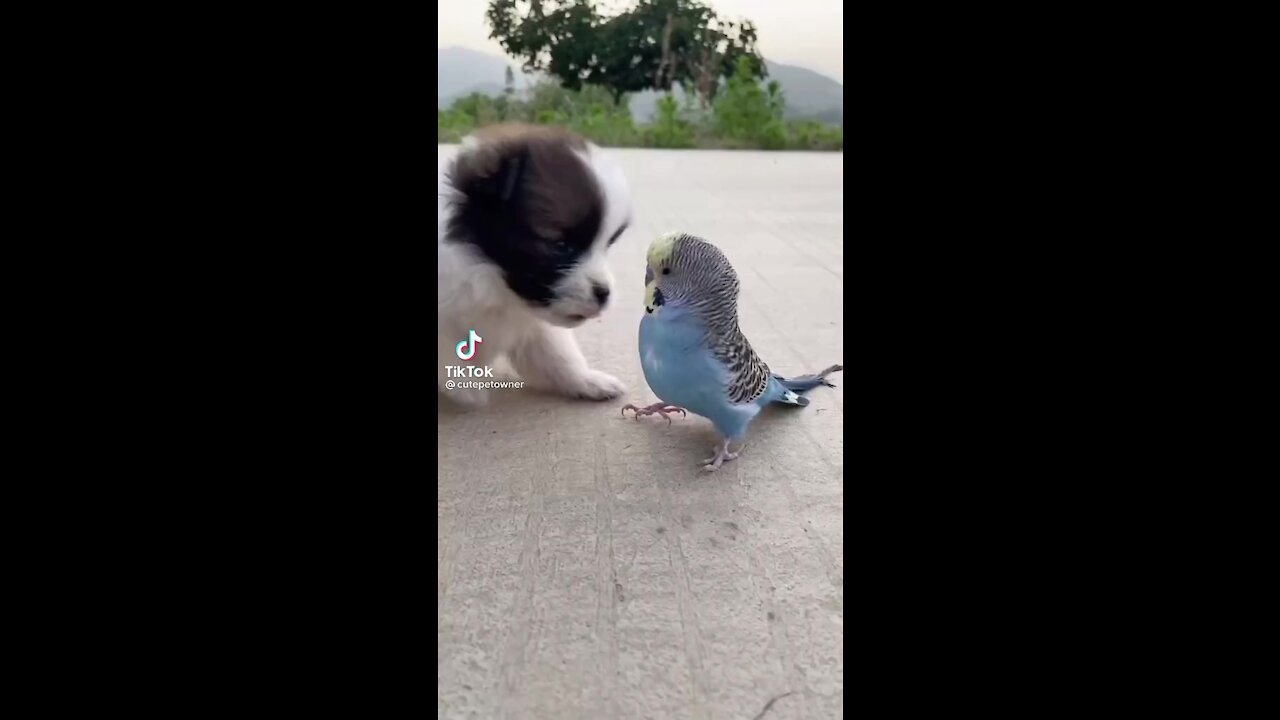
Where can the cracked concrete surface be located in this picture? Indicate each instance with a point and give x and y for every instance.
(585, 568)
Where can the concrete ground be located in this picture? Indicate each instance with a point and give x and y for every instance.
(585, 568)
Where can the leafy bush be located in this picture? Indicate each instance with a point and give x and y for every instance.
(744, 115)
(748, 116)
(668, 129)
(812, 135)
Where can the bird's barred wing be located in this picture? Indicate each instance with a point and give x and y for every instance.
(748, 374)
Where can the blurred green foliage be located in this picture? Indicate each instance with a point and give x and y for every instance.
(744, 115)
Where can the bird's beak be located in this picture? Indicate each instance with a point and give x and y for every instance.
(653, 298)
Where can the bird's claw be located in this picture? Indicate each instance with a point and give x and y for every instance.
(655, 409)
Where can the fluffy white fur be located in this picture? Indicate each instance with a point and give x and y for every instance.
(539, 343)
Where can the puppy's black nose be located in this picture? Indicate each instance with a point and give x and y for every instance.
(601, 292)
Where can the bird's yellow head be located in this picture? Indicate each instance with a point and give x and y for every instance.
(659, 259)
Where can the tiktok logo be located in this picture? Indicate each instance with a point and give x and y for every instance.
(469, 344)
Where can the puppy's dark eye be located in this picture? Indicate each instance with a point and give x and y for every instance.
(618, 233)
(666, 271)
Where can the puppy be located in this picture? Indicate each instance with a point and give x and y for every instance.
(526, 216)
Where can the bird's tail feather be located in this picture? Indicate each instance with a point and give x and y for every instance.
(803, 383)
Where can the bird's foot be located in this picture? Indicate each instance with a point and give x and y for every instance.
(722, 455)
(654, 409)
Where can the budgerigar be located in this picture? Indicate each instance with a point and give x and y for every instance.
(694, 355)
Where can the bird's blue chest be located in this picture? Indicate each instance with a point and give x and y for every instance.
(666, 346)
(682, 371)
(678, 366)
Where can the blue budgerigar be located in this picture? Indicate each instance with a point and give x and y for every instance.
(693, 353)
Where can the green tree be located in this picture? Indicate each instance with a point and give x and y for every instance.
(553, 36)
(653, 45)
(695, 46)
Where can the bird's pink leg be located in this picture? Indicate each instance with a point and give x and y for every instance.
(722, 456)
(654, 409)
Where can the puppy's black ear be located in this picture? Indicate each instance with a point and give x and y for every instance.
(487, 176)
(511, 175)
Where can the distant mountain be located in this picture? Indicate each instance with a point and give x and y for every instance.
(462, 72)
(809, 95)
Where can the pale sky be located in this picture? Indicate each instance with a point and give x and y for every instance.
(809, 33)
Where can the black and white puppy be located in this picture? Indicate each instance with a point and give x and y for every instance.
(526, 216)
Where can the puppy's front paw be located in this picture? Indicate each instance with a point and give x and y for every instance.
(596, 385)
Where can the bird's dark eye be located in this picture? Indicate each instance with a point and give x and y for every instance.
(666, 271)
